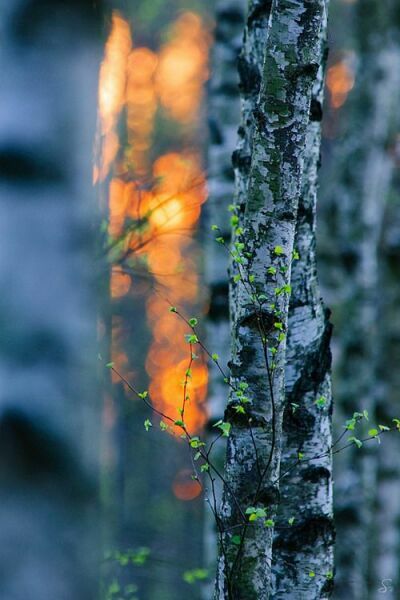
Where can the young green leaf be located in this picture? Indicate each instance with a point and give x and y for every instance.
(356, 441)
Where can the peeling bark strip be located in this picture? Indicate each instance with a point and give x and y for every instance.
(303, 551)
(262, 256)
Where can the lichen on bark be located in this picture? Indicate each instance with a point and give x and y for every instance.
(268, 192)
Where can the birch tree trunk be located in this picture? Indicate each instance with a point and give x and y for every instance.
(264, 228)
(48, 410)
(363, 167)
(386, 541)
(223, 93)
(303, 551)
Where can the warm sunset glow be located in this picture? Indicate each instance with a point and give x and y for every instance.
(185, 487)
(141, 107)
(112, 84)
(120, 283)
(183, 68)
(163, 195)
(339, 80)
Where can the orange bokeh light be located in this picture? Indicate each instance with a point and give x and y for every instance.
(141, 81)
(340, 81)
(112, 84)
(185, 487)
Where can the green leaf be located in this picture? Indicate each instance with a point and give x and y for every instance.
(172, 309)
(295, 255)
(224, 427)
(291, 520)
(278, 250)
(148, 424)
(215, 356)
(113, 588)
(397, 423)
(205, 467)
(300, 455)
(384, 428)
(252, 278)
(143, 395)
(236, 278)
(196, 442)
(373, 432)
(110, 365)
(278, 326)
(271, 270)
(195, 575)
(191, 338)
(179, 423)
(311, 574)
(239, 409)
(236, 539)
(193, 322)
(163, 426)
(249, 510)
(269, 523)
(214, 228)
(255, 513)
(356, 441)
(140, 556)
(321, 401)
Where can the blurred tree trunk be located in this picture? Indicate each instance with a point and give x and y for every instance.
(306, 491)
(361, 170)
(269, 163)
(48, 405)
(385, 544)
(224, 116)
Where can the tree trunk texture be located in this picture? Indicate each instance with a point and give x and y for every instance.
(303, 552)
(363, 169)
(269, 164)
(386, 541)
(224, 116)
(48, 406)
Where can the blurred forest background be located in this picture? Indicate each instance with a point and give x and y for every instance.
(153, 87)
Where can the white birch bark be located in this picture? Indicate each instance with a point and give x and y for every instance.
(303, 551)
(267, 215)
